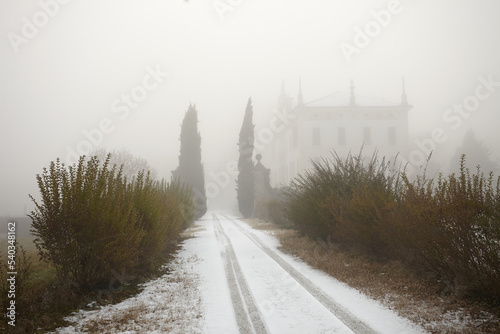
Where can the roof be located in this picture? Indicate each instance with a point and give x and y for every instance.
(343, 99)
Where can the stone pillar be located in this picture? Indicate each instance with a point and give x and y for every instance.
(263, 189)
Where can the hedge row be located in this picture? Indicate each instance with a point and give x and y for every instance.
(92, 221)
(449, 226)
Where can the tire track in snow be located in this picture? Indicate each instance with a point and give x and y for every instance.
(247, 314)
(349, 319)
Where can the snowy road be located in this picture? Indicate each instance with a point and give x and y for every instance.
(230, 278)
(251, 287)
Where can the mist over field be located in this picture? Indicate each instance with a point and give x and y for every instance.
(77, 76)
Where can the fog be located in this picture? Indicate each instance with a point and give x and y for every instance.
(67, 68)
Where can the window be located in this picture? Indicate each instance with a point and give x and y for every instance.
(341, 138)
(392, 136)
(367, 136)
(316, 137)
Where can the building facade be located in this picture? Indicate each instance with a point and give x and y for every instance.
(341, 122)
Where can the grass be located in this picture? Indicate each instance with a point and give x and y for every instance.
(43, 270)
(35, 290)
(423, 301)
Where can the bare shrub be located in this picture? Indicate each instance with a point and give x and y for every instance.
(452, 228)
(86, 222)
(348, 200)
(449, 227)
(92, 220)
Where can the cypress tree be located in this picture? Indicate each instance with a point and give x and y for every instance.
(190, 170)
(245, 182)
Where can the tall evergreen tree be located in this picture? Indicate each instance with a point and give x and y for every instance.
(246, 179)
(476, 153)
(190, 170)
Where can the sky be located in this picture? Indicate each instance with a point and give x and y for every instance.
(120, 74)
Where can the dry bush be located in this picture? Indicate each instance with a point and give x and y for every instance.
(452, 229)
(276, 208)
(92, 221)
(41, 301)
(86, 223)
(273, 208)
(261, 209)
(23, 266)
(449, 228)
(348, 200)
(163, 210)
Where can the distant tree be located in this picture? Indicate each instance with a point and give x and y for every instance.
(476, 153)
(245, 183)
(190, 170)
(131, 164)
